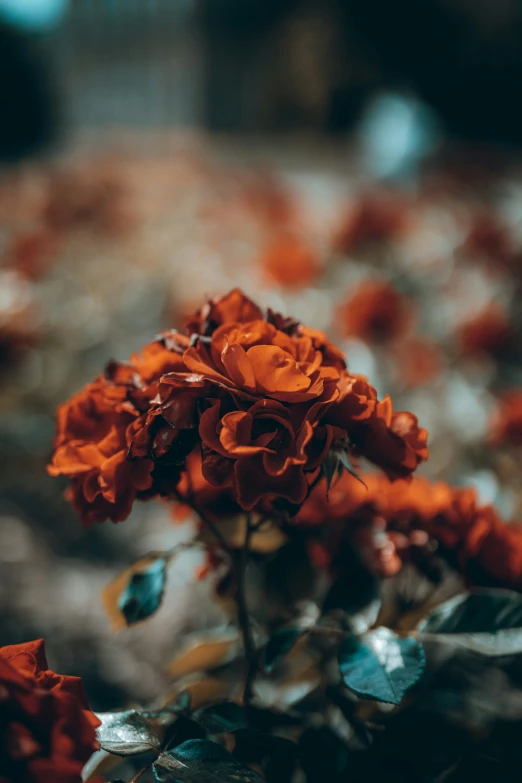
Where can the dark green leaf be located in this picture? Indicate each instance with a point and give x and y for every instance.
(226, 716)
(323, 755)
(279, 644)
(381, 667)
(481, 611)
(275, 755)
(202, 761)
(493, 645)
(183, 729)
(268, 718)
(144, 592)
(183, 701)
(126, 733)
(347, 465)
(330, 468)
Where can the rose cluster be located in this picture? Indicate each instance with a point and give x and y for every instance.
(393, 522)
(47, 731)
(262, 399)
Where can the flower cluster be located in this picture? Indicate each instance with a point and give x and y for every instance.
(394, 520)
(47, 731)
(263, 398)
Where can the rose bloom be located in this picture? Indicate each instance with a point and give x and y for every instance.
(376, 217)
(506, 423)
(489, 239)
(417, 362)
(375, 312)
(394, 521)
(289, 261)
(262, 398)
(488, 332)
(47, 731)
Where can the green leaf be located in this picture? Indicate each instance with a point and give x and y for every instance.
(333, 465)
(331, 469)
(480, 611)
(382, 667)
(275, 755)
(279, 644)
(144, 593)
(126, 733)
(202, 761)
(347, 465)
(226, 716)
(323, 755)
(492, 645)
(487, 622)
(182, 730)
(183, 701)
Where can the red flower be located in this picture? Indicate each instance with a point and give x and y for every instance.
(489, 239)
(417, 362)
(488, 332)
(290, 262)
(376, 312)
(47, 731)
(390, 521)
(506, 424)
(375, 217)
(262, 398)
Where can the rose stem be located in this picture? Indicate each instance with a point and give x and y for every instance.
(142, 771)
(243, 616)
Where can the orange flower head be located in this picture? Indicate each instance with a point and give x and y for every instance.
(392, 522)
(506, 423)
(376, 312)
(290, 262)
(488, 332)
(376, 217)
(47, 731)
(260, 398)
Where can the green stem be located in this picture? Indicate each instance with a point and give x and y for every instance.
(243, 616)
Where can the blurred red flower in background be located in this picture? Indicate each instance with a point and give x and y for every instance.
(506, 422)
(375, 312)
(47, 730)
(375, 217)
(389, 520)
(488, 332)
(290, 261)
(418, 362)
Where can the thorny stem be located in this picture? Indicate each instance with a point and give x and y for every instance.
(142, 771)
(216, 532)
(241, 563)
(243, 617)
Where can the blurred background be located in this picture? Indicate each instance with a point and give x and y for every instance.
(356, 165)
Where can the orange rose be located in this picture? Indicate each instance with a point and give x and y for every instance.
(262, 399)
(417, 362)
(506, 424)
(375, 217)
(290, 262)
(488, 332)
(47, 731)
(489, 239)
(376, 312)
(392, 521)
